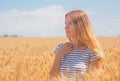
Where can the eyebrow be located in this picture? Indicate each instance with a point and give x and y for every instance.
(68, 21)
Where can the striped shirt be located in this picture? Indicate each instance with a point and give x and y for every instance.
(76, 61)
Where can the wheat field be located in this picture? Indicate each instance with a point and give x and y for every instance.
(30, 59)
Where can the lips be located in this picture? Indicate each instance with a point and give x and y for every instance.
(67, 31)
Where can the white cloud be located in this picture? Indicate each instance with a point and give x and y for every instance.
(48, 21)
(109, 31)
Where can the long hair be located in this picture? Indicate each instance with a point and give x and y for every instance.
(84, 32)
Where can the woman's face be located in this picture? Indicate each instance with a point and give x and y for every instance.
(69, 27)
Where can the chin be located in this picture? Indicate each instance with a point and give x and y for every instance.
(68, 35)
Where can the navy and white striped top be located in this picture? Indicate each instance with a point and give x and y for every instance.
(76, 61)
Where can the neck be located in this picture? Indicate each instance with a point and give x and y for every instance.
(76, 43)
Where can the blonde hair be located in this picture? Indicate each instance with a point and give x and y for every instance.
(84, 32)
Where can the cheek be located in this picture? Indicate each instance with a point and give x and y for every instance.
(72, 29)
(68, 29)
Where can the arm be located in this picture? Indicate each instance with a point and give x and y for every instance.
(54, 72)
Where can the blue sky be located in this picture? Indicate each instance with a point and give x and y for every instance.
(45, 18)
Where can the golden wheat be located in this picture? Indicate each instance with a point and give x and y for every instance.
(30, 59)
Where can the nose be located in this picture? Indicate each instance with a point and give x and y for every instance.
(66, 27)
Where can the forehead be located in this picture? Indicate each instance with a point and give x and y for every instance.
(68, 19)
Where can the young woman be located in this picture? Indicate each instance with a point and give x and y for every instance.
(81, 52)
